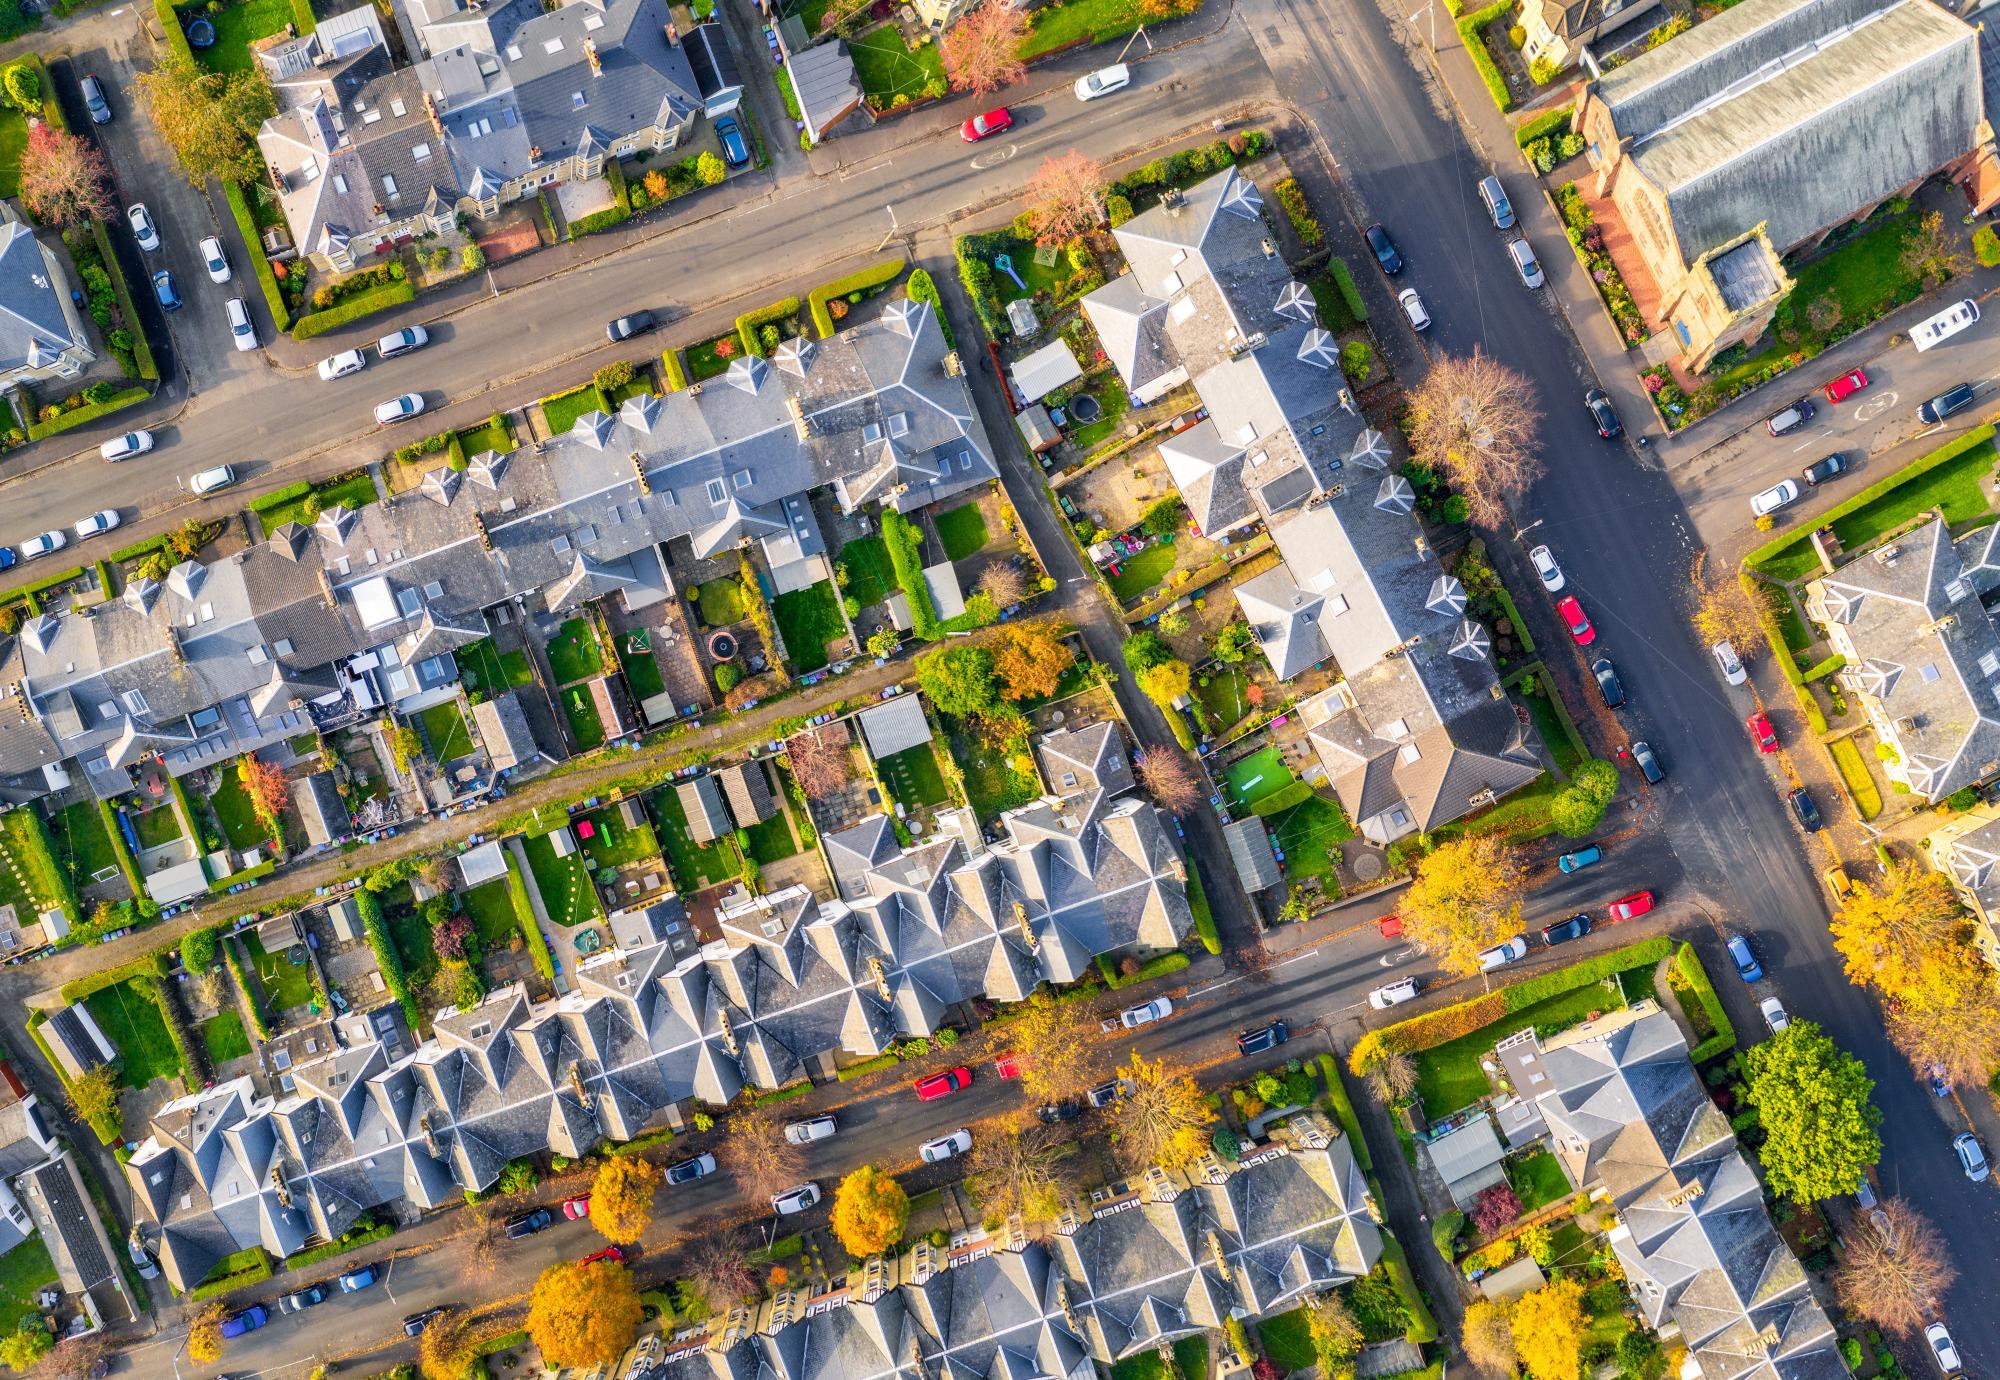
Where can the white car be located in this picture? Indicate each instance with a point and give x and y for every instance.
(217, 261)
(1158, 1009)
(806, 1132)
(341, 365)
(403, 341)
(1545, 565)
(937, 1151)
(125, 447)
(97, 524)
(794, 1199)
(1524, 263)
(241, 328)
(1942, 1348)
(1732, 666)
(1500, 955)
(208, 481)
(34, 548)
(142, 226)
(1774, 1014)
(1393, 994)
(1777, 496)
(399, 409)
(1413, 307)
(1103, 82)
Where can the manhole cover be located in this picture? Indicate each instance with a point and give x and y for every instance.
(1368, 867)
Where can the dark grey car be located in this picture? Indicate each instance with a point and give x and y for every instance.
(625, 327)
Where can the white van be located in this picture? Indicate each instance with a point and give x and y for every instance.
(1945, 324)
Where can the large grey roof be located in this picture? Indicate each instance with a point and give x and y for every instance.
(33, 327)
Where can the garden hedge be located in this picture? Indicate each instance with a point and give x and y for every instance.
(152, 965)
(1283, 798)
(53, 874)
(922, 288)
(176, 36)
(868, 1066)
(353, 309)
(386, 957)
(302, 17)
(1151, 968)
(524, 915)
(747, 325)
(1343, 1112)
(255, 1273)
(1204, 917)
(784, 1094)
(1541, 127)
(1423, 1327)
(250, 1002)
(89, 412)
(1343, 278)
(327, 1250)
(676, 372)
(905, 545)
(875, 275)
(142, 348)
(1470, 30)
(1520, 623)
(248, 874)
(246, 226)
(1687, 967)
(127, 864)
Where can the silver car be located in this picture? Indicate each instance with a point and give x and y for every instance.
(1779, 495)
(806, 1132)
(794, 1199)
(1524, 263)
(937, 1151)
(341, 365)
(125, 447)
(399, 409)
(97, 524)
(403, 341)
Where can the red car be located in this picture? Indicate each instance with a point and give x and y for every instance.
(1573, 618)
(1847, 384)
(1631, 907)
(1761, 732)
(1008, 1066)
(944, 1084)
(614, 1254)
(992, 122)
(577, 1207)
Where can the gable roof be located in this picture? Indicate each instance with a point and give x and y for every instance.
(34, 330)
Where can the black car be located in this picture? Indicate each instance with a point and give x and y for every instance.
(1264, 1037)
(1790, 417)
(1049, 1113)
(414, 1323)
(1598, 403)
(734, 151)
(1385, 249)
(625, 327)
(1825, 468)
(302, 1298)
(528, 1223)
(1944, 404)
(1576, 927)
(1607, 682)
(1808, 813)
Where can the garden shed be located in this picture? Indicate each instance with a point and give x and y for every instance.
(892, 727)
(1469, 1160)
(483, 864)
(1250, 849)
(1039, 374)
(1037, 429)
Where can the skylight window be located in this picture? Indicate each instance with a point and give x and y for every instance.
(421, 153)
(397, 108)
(741, 479)
(370, 117)
(389, 185)
(339, 183)
(576, 100)
(554, 45)
(718, 492)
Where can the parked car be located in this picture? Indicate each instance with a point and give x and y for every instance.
(1494, 197)
(1546, 568)
(94, 102)
(794, 1199)
(249, 1320)
(209, 480)
(992, 122)
(806, 1132)
(1393, 994)
(523, 1224)
(415, 1323)
(7, 559)
(1846, 386)
(1955, 399)
(1802, 806)
(1725, 658)
(625, 327)
(1525, 264)
(1790, 417)
(943, 1084)
(735, 149)
(143, 229)
(1104, 1094)
(1413, 307)
(1103, 82)
(1158, 1009)
(1053, 1113)
(97, 524)
(1580, 859)
(1632, 907)
(399, 409)
(1597, 402)
(43, 544)
(242, 330)
(402, 342)
(1779, 495)
(164, 289)
(1501, 954)
(309, 1297)
(1384, 249)
(1971, 1157)
(1942, 1348)
(1263, 1038)
(341, 365)
(1576, 927)
(1774, 1014)
(125, 447)
(937, 1151)
(577, 1208)
(359, 1278)
(1607, 682)
(1824, 468)
(1648, 763)
(215, 260)
(1761, 732)
(1575, 620)
(688, 1170)
(610, 1255)
(1747, 966)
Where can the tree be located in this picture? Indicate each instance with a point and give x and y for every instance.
(64, 180)
(24, 87)
(1958, 1040)
(1233, 641)
(75, 1358)
(584, 1315)
(1061, 1059)
(870, 1210)
(1823, 313)
(1025, 1169)
(1640, 1356)
(719, 1261)
(841, 13)
(1173, 623)
(821, 766)
(1812, 1101)
(1909, 939)
(1164, 517)
(1724, 610)
(1932, 252)
(1471, 418)
(959, 680)
(1032, 657)
(1548, 1330)
(1065, 198)
(208, 119)
(1393, 1077)
(21, 1349)
(1144, 649)
(265, 784)
(445, 1349)
(621, 1198)
(709, 170)
(450, 935)
(1162, 1117)
(1166, 682)
(1894, 1280)
(94, 1096)
(1168, 779)
(883, 642)
(1465, 899)
(1574, 813)
(1155, 11)
(204, 1340)
(198, 949)
(1336, 1337)
(1488, 1338)
(982, 51)
(1495, 1208)
(1004, 585)
(760, 1157)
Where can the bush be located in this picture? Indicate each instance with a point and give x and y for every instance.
(922, 288)
(749, 325)
(1292, 197)
(1227, 1145)
(874, 276)
(1544, 126)
(1117, 209)
(103, 405)
(362, 304)
(1357, 360)
(1343, 278)
(1445, 1233)
(1471, 31)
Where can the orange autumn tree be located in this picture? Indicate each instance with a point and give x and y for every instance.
(265, 784)
(584, 1315)
(1031, 660)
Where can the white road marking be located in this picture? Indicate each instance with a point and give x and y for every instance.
(1214, 987)
(1295, 958)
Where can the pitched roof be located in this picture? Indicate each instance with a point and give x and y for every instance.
(34, 330)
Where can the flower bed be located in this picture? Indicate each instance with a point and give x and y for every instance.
(1588, 241)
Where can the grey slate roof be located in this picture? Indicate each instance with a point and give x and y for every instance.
(701, 801)
(503, 728)
(1091, 758)
(826, 83)
(34, 330)
(320, 807)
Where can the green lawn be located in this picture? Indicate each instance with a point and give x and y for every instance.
(24, 1272)
(888, 68)
(237, 27)
(1260, 774)
(991, 785)
(411, 935)
(13, 143)
(586, 725)
(1190, 1354)
(138, 1031)
(156, 826)
(962, 530)
(1449, 1077)
(611, 843)
(720, 601)
(444, 729)
(1287, 1341)
(1143, 572)
(808, 619)
(706, 362)
(913, 776)
(567, 894)
(1052, 26)
(485, 670)
(234, 812)
(809, 14)
(1111, 396)
(1952, 486)
(487, 436)
(693, 865)
(1550, 725)
(286, 984)
(1034, 277)
(82, 845)
(1310, 834)
(355, 491)
(574, 653)
(492, 910)
(562, 410)
(642, 673)
(870, 577)
(225, 1038)
(1223, 698)
(1538, 1179)
(772, 840)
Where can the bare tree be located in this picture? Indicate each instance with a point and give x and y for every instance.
(820, 765)
(1065, 197)
(1472, 418)
(1162, 1117)
(64, 181)
(1003, 584)
(1168, 779)
(1024, 1168)
(1958, 1040)
(982, 51)
(760, 1157)
(75, 1358)
(1894, 1279)
(1393, 1078)
(1725, 610)
(719, 1261)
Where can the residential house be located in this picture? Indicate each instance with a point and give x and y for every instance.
(1090, 758)
(42, 335)
(1418, 732)
(1559, 30)
(1688, 140)
(26, 1140)
(73, 1230)
(1966, 848)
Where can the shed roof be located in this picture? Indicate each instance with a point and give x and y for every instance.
(892, 726)
(1250, 849)
(1047, 369)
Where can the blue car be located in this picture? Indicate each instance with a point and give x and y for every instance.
(249, 1320)
(1746, 963)
(354, 1281)
(1580, 859)
(163, 288)
(734, 151)
(7, 557)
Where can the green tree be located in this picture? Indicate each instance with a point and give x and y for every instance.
(1234, 642)
(1163, 519)
(1811, 1097)
(1597, 779)
(208, 119)
(1336, 1336)
(22, 1349)
(1166, 682)
(198, 949)
(24, 87)
(1574, 812)
(959, 680)
(708, 170)
(1144, 649)
(883, 642)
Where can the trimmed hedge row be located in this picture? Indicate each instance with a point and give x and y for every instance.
(875, 275)
(153, 965)
(1343, 278)
(1151, 968)
(1469, 30)
(353, 309)
(1343, 1111)
(1204, 917)
(1687, 967)
(923, 288)
(248, 874)
(194, 1064)
(524, 915)
(868, 1066)
(784, 1094)
(246, 226)
(327, 1250)
(676, 372)
(177, 39)
(1423, 1327)
(236, 970)
(1282, 799)
(1541, 127)
(236, 1279)
(386, 957)
(54, 874)
(89, 412)
(748, 324)
(142, 348)
(905, 545)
